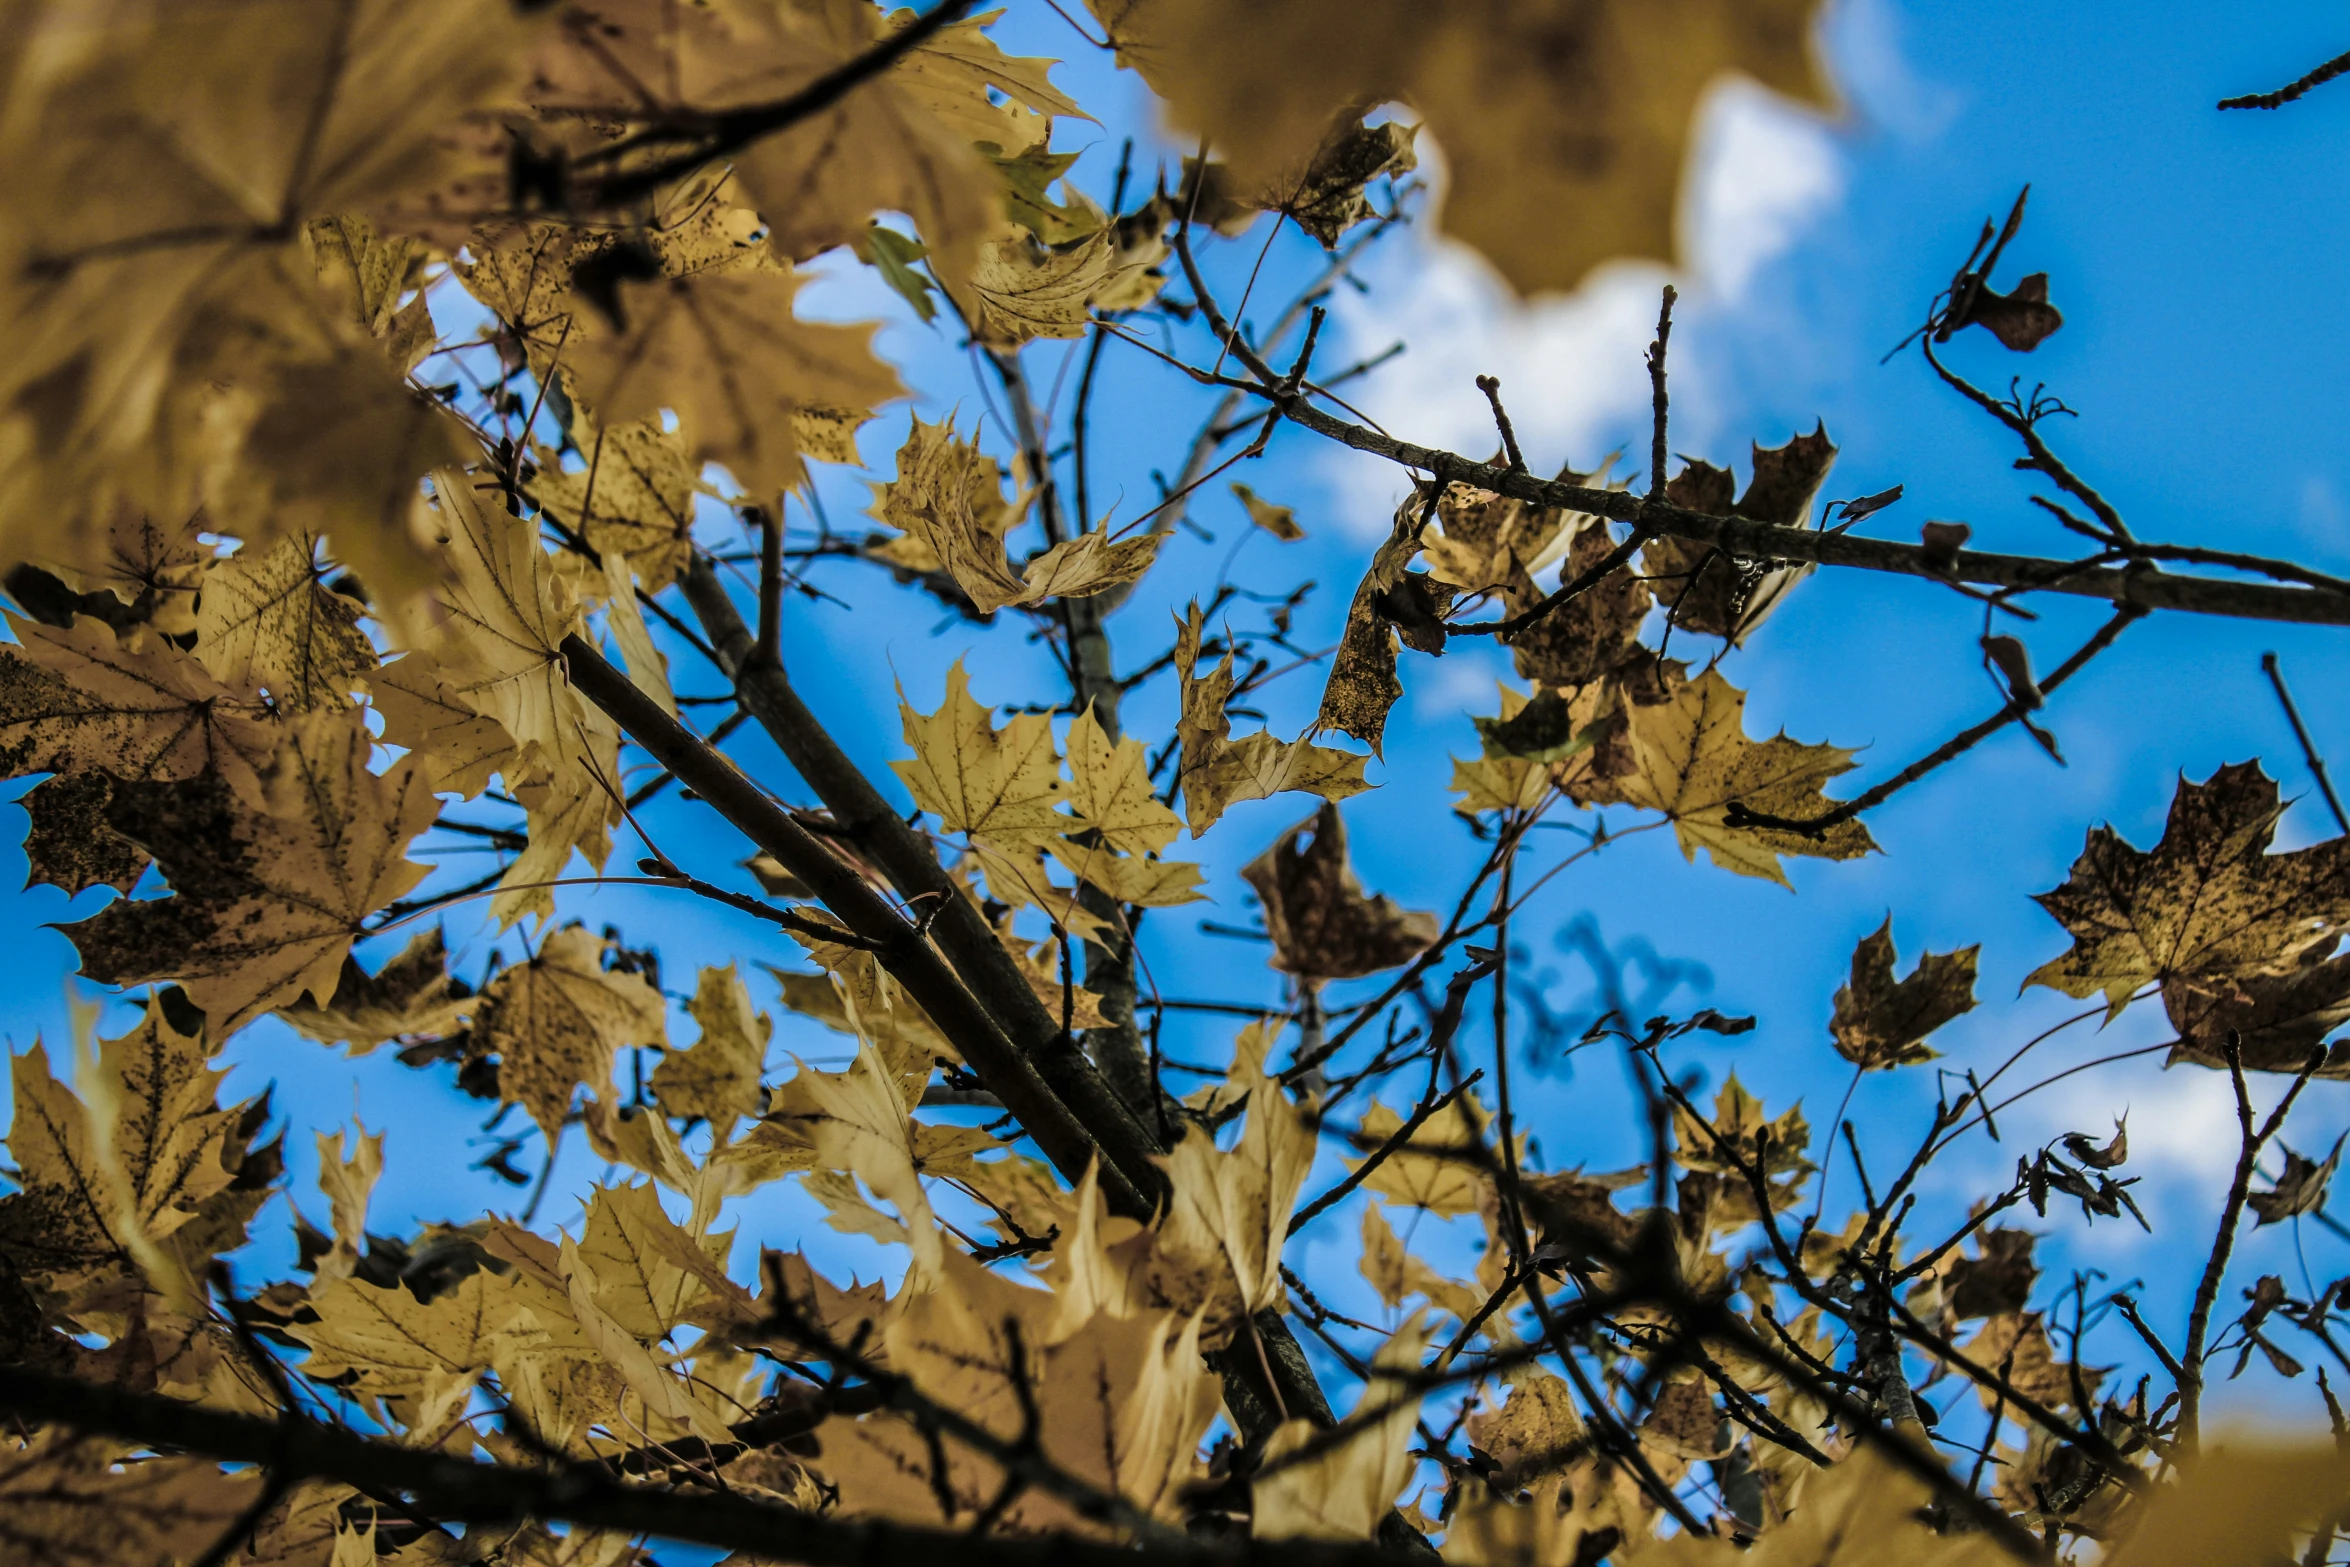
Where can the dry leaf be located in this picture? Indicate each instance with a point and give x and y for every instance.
(2208, 904)
(1882, 1022)
(1323, 925)
(556, 1022)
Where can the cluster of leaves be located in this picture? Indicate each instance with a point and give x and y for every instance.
(301, 573)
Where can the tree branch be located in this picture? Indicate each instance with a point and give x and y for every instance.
(464, 1491)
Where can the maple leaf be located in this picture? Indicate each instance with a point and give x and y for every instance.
(1219, 1246)
(1742, 1135)
(1218, 771)
(427, 715)
(1146, 882)
(1110, 789)
(1398, 1274)
(1588, 637)
(2275, 1019)
(1002, 786)
(69, 1500)
(154, 230)
(1438, 1168)
(1694, 762)
(132, 1166)
(1709, 592)
(67, 842)
(635, 495)
(411, 994)
(1342, 1493)
(723, 349)
(1882, 1022)
(2207, 905)
(79, 700)
(1020, 291)
(631, 1248)
(270, 622)
(266, 902)
(556, 1022)
(717, 1077)
(1323, 925)
(386, 1342)
(347, 1174)
(153, 569)
(1565, 129)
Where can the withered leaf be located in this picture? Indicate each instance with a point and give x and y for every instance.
(1021, 291)
(68, 1500)
(1718, 595)
(2299, 1188)
(1997, 1282)
(1590, 635)
(266, 901)
(1279, 521)
(557, 1020)
(1882, 1022)
(2277, 1018)
(2207, 905)
(272, 622)
(69, 844)
(1390, 600)
(2022, 318)
(1323, 925)
(76, 700)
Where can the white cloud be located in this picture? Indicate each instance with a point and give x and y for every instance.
(1572, 369)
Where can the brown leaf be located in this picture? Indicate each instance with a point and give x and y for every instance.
(1323, 926)
(2277, 1018)
(78, 700)
(69, 844)
(1390, 599)
(1279, 521)
(1999, 1281)
(68, 1500)
(1881, 1022)
(267, 900)
(2207, 905)
(1684, 1422)
(1325, 195)
(1219, 771)
(267, 619)
(2022, 319)
(2300, 1188)
(557, 1020)
(1707, 591)
(2018, 1341)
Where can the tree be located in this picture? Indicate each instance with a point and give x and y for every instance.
(462, 567)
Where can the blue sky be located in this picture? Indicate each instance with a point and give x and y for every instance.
(2197, 259)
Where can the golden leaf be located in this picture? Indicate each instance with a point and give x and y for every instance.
(78, 700)
(390, 1344)
(1397, 1274)
(347, 1175)
(1000, 785)
(1695, 762)
(159, 309)
(2207, 904)
(1021, 291)
(1218, 771)
(369, 273)
(856, 1122)
(1219, 1246)
(635, 496)
(271, 622)
(632, 1250)
(1564, 126)
(266, 902)
(1440, 1168)
(1882, 1022)
(1343, 1492)
(724, 350)
(1110, 789)
(87, 1194)
(717, 1078)
(1149, 883)
(424, 713)
(1279, 521)
(154, 569)
(557, 1021)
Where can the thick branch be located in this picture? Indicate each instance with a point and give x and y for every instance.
(462, 1491)
(1007, 1072)
(906, 857)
